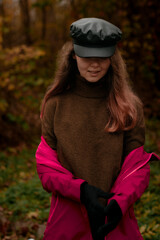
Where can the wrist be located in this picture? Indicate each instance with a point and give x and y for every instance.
(82, 192)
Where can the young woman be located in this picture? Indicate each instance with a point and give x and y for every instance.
(91, 153)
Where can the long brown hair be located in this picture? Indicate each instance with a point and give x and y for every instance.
(122, 103)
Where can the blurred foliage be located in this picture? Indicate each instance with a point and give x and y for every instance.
(23, 81)
(152, 141)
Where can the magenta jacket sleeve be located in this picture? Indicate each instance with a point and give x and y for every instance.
(133, 178)
(54, 177)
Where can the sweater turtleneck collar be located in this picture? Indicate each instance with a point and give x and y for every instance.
(87, 89)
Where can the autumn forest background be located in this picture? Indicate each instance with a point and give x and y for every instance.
(31, 33)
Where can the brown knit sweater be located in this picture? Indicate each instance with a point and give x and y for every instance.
(73, 124)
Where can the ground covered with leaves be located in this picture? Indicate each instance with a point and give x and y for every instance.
(24, 205)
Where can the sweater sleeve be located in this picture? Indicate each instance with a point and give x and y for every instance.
(134, 185)
(47, 123)
(53, 176)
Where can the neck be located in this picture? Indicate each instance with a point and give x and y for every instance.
(87, 89)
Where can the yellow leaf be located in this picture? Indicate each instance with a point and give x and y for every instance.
(11, 87)
(33, 214)
(3, 105)
(156, 226)
(143, 228)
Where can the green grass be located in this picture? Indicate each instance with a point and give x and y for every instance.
(22, 198)
(25, 198)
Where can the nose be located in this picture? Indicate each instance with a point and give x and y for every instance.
(94, 62)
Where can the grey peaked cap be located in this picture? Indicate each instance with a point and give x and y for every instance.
(94, 37)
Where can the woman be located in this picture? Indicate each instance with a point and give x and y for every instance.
(91, 155)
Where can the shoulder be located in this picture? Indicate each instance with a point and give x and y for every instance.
(54, 101)
(49, 107)
(50, 104)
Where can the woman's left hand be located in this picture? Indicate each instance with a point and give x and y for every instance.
(114, 215)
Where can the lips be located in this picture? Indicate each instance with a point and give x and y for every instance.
(94, 73)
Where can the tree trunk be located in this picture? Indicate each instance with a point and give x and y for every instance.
(24, 6)
(156, 23)
(6, 36)
(43, 23)
(1, 25)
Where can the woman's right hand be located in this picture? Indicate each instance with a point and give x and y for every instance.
(89, 196)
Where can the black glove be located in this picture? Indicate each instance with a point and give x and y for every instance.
(89, 197)
(114, 215)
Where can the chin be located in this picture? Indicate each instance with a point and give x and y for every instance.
(93, 79)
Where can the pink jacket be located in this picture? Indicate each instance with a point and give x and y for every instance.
(68, 218)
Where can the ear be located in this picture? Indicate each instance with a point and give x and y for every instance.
(74, 56)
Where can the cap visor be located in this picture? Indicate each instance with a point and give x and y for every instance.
(82, 51)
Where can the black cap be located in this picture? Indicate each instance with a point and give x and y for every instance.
(94, 37)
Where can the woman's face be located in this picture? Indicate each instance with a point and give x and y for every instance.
(92, 68)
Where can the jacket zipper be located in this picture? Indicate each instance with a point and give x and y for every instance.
(142, 165)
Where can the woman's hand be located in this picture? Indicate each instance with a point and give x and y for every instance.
(114, 215)
(96, 211)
